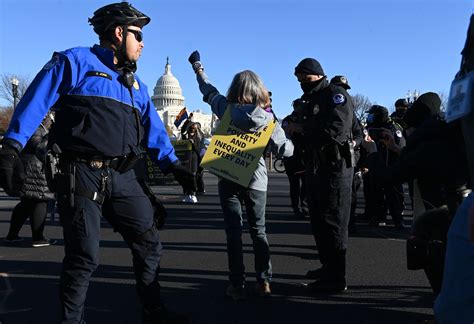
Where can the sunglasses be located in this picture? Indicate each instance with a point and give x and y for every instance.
(137, 33)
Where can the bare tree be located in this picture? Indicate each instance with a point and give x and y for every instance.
(362, 105)
(5, 117)
(6, 89)
(6, 93)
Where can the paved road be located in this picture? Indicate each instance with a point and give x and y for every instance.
(194, 271)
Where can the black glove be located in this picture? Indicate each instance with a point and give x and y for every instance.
(12, 173)
(195, 60)
(184, 177)
(159, 211)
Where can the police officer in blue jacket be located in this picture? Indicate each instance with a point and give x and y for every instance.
(103, 117)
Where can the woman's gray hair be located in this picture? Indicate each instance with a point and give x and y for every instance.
(248, 88)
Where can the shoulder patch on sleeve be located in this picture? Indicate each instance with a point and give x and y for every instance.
(339, 99)
(399, 133)
(54, 60)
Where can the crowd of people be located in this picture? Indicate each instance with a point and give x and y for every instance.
(328, 154)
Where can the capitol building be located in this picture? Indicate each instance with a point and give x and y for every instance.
(169, 100)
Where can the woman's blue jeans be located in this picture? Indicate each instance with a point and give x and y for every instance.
(231, 197)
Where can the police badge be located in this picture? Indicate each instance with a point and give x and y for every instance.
(339, 99)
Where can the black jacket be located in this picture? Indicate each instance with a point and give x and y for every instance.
(33, 156)
(435, 156)
(327, 119)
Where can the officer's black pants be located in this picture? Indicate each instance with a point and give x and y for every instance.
(298, 191)
(383, 197)
(131, 215)
(329, 200)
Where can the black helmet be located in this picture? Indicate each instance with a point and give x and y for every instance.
(340, 80)
(117, 14)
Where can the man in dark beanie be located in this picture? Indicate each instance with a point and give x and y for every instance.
(401, 106)
(324, 118)
(428, 104)
(309, 66)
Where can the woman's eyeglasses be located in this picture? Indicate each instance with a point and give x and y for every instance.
(137, 33)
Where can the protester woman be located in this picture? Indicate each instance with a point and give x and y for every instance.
(247, 99)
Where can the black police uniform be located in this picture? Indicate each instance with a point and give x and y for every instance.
(327, 114)
(383, 196)
(103, 114)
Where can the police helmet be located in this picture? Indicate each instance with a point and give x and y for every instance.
(117, 14)
(341, 81)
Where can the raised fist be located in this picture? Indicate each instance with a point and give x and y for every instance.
(194, 57)
(195, 60)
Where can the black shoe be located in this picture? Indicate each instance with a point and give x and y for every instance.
(43, 243)
(236, 293)
(315, 274)
(326, 286)
(12, 240)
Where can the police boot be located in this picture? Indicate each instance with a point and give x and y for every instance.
(333, 280)
(326, 286)
(163, 315)
(316, 273)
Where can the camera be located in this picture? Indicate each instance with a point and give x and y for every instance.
(300, 104)
(301, 111)
(377, 133)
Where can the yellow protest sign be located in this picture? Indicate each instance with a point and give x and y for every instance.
(233, 154)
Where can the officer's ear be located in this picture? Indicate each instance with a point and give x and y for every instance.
(118, 34)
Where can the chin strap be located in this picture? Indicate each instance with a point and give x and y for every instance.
(124, 65)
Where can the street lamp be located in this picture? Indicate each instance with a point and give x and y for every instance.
(15, 83)
(412, 96)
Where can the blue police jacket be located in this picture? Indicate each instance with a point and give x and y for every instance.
(95, 115)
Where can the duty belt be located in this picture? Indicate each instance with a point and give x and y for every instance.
(97, 163)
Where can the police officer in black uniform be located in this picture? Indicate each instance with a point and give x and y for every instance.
(382, 196)
(103, 115)
(401, 106)
(325, 119)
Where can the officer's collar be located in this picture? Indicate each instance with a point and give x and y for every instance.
(106, 55)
